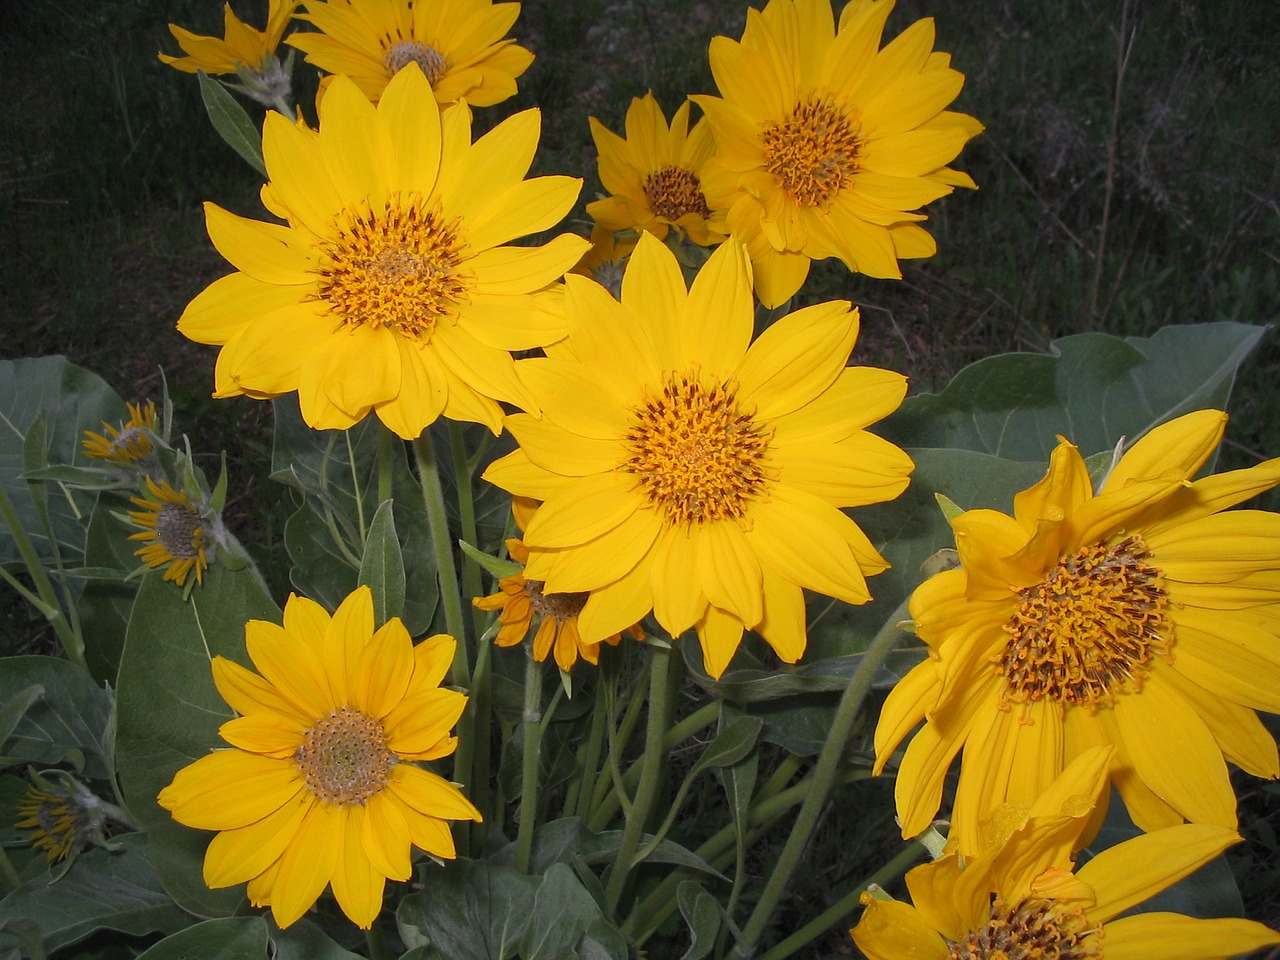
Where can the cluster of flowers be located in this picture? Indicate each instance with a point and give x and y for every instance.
(1124, 636)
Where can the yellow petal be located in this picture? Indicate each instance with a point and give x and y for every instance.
(227, 306)
(1181, 445)
(797, 358)
(720, 311)
(230, 788)
(719, 633)
(267, 252)
(892, 930)
(357, 884)
(235, 856)
(385, 836)
(586, 508)
(308, 862)
(430, 794)
(729, 573)
(1149, 935)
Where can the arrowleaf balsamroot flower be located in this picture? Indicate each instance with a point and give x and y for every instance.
(825, 143)
(175, 533)
(458, 44)
(654, 175)
(1145, 616)
(320, 788)
(687, 470)
(1022, 899)
(241, 45)
(130, 443)
(390, 288)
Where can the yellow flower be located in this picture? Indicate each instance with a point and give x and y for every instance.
(458, 45)
(1140, 616)
(175, 532)
(521, 600)
(654, 175)
(686, 470)
(605, 261)
(321, 787)
(390, 288)
(825, 143)
(242, 45)
(130, 443)
(1020, 899)
(59, 824)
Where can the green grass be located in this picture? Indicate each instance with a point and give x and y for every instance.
(1096, 211)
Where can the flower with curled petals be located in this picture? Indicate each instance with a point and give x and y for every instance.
(391, 288)
(240, 46)
(458, 44)
(321, 786)
(687, 470)
(826, 143)
(1144, 615)
(1023, 899)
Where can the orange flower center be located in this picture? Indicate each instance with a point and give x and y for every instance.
(561, 606)
(1088, 628)
(178, 530)
(813, 153)
(1031, 930)
(695, 454)
(344, 758)
(397, 269)
(431, 60)
(673, 192)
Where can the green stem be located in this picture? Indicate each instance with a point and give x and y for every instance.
(72, 643)
(650, 775)
(532, 727)
(442, 545)
(618, 740)
(824, 776)
(376, 942)
(578, 802)
(462, 471)
(824, 921)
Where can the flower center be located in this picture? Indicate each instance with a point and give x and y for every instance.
(344, 758)
(561, 606)
(178, 530)
(673, 192)
(813, 154)
(695, 454)
(397, 269)
(1088, 628)
(405, 52)
(1031, 930)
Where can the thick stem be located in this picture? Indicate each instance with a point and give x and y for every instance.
(824, 776)
(650, 775)
(442, 545)
(531, 724)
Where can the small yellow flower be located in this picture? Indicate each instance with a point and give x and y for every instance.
(321, 786)
(242, 45)
(654, 175)
(57, 821)
(175, 532)
(1021, 898)
(521, 601)
(458, 44)
(130, 443)
(825, 143)
(1144, 615)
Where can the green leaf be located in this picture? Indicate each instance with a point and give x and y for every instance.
(303, 940)
(228, 938)
(563, 913)
(15, 707)
(102, 890)
(1093, 388)
(733, 742)
(104, 605)
(88, 478)
(739, 781)
(231, 122)
(468, 910)
(170, 711)
(59, 400)
(701, 912)
(492, 565)
(69, 724)
(382, 566)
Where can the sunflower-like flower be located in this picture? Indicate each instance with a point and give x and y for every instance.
(654, 175)
(321, 788)
(521, 601)
(686, 470)
(130, 443)
(826, 143)
(390, 288)
(241, 46)
(458, 44)
(1141, 616)
(62, 817)
(1020, 899)
(175, 533)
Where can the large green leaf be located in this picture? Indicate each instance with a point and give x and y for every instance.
(468, 910)
(227, 938)
(45, 405)
(102, 890)
(169, 711)
(67, 724)
(1093, 388)
(564, 913)
(105, 605)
